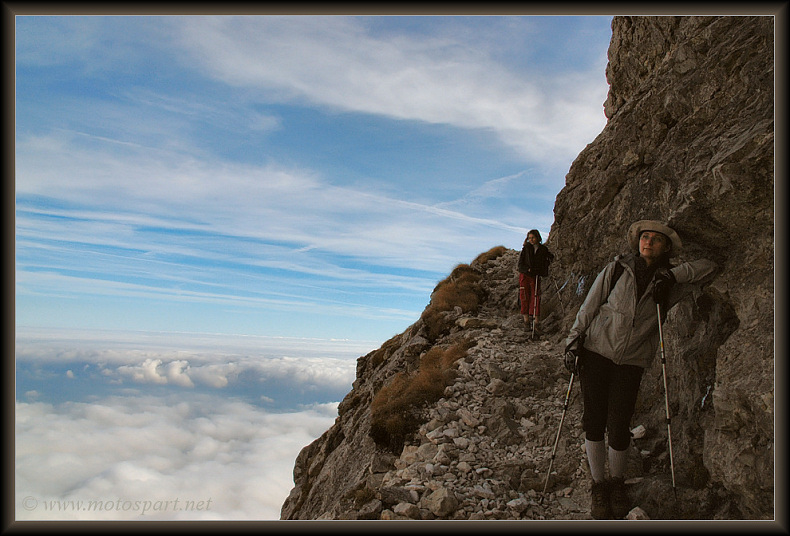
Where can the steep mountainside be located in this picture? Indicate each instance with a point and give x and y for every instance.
(690, 140)
(456, 417)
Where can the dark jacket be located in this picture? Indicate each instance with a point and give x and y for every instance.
(533, 262)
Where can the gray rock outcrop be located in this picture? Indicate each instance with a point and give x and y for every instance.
(689, 140)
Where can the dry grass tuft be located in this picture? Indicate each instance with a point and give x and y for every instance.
(396, 408)
(490, 255)
(460, 289)
(377, 357)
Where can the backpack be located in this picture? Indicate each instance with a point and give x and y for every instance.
(618, 271)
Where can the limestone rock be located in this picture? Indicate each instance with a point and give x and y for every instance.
(441, 502)
(636, 514)
(689, 140)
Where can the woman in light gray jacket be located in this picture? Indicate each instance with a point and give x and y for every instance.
(615, 337)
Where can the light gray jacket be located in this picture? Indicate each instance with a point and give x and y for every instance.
(624, 327)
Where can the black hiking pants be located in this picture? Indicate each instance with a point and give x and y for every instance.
(609, 393)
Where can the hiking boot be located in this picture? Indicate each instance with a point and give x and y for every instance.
(618, 501)
(600, 500)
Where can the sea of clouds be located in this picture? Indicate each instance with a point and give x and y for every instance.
(151, 426)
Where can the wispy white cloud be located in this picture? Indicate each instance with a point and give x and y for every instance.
(337, 61)
(49, 339)
(55, 285)
(244, 217)
(269, 203)
(179, 184)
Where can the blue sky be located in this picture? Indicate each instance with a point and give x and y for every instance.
(285, 176)
(216, 216)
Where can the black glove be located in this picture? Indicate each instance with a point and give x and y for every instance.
(664, 281)
(571, 361)
(572, 357)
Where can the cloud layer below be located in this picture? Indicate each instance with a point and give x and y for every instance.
(153, 458)
(276, 373)
(118, 426)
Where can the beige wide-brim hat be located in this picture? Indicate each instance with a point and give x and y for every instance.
(657, 227)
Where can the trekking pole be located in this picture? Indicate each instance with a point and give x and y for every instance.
(535, 308)
(666, 395)
(559, 297)
(562, 420)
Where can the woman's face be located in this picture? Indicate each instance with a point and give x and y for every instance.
(652, 245)
(532, 239)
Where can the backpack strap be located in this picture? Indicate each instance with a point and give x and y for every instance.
(618, 271)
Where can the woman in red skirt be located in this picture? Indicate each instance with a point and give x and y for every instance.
(532, 265)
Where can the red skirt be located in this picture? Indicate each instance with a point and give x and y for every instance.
(529, 294)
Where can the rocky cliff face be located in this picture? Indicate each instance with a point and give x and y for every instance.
(689, 141)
